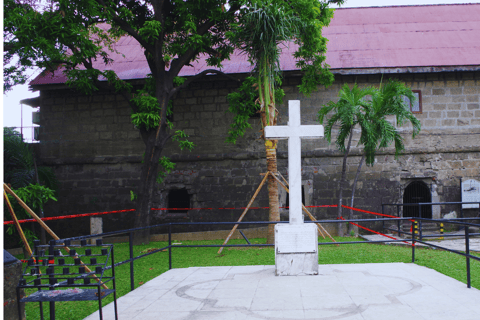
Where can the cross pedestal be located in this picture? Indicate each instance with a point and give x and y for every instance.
(296, 243)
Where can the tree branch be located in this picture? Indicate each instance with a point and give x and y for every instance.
(177, 64)
(126, 27)
(200, 75)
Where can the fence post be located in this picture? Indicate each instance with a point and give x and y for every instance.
(169, 246)
(413, 240)
(51, 253)
(467, 252)
(383, 221)
(441, 230)
(96, 227)
(130, 243)
(398, 222)
(420, 235)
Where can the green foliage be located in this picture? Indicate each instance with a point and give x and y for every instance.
(263, 28)
(133, 196)
(178, 81)
(369, 108)
(35, 196)
(147, 117)
(82, 80)
(150, 31)
(118, 84)
(19, 163)
(243, 103)
(166, 167)
(181, 137)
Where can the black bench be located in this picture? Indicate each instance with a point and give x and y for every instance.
(64, 272)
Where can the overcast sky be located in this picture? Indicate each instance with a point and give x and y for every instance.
(11, 101)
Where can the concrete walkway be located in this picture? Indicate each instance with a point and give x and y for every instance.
(351, 292)
(449, 243)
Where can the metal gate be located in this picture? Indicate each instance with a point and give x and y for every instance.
(417, 192)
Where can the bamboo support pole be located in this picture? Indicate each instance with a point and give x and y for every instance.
(319, 225)
(244, 211)
(17, 224)
(50, 232)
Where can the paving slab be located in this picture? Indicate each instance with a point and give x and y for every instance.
(340, 291)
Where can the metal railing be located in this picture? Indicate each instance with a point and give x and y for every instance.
(428, 220)
(412, 240)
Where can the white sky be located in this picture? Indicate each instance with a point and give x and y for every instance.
(12, 116)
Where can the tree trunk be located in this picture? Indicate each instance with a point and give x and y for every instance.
(145, 194)
(340, 226)
(155, 141)
(350, 226)
(274, 213)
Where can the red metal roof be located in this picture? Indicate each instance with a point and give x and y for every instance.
(359, 38)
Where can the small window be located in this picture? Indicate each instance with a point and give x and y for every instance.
(178, 204)
(416, 106)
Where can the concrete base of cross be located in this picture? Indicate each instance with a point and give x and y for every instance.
(296, 249)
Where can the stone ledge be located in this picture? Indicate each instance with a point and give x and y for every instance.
(254, 155)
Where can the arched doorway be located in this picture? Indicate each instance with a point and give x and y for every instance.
(417, 192)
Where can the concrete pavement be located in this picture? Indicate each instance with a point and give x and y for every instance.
(350, 292)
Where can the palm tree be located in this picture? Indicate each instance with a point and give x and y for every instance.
(265, 27)
(369, 109)
(348, 111)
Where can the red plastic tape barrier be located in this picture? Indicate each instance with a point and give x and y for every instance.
(370, 212)
(364, 228)
(153, 209)
(241, 208)
(71, 216)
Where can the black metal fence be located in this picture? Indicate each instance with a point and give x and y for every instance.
(419, 227)
(413, 239)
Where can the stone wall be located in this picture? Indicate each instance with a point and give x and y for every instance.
(96, 151)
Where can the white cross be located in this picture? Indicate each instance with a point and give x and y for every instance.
(294, 131)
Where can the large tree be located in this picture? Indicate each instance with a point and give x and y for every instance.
(73, 34)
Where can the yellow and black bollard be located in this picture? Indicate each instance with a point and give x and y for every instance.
(415, 227)
(441, 230)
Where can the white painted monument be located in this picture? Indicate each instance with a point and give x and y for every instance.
(470, 193)
(296, 243)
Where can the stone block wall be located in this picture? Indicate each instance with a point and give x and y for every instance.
(75, 126)
(96, 151)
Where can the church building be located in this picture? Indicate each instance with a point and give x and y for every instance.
(96, 152)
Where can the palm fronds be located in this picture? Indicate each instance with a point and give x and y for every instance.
(370, 108)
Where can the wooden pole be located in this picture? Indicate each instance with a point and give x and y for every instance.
(244, 211)
(17, 224)
(50, 232)
(319, 225)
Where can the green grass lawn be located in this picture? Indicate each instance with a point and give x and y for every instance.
(150, 267)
